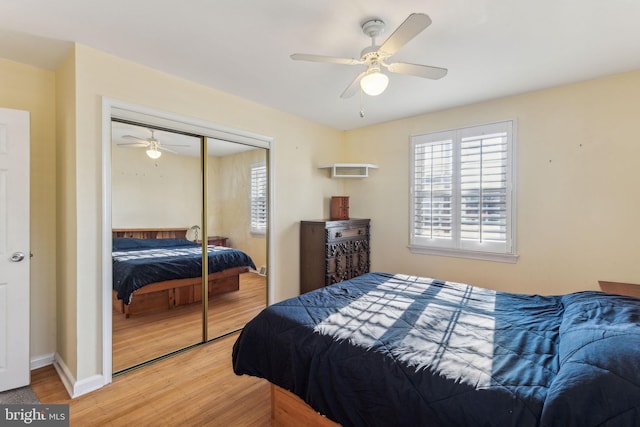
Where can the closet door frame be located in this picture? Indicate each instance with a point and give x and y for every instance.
(113, 108)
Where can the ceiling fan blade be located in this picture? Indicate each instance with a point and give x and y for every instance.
(411, 27)
(140, 140)
(425, 71)
(353, 87)
(322, 58)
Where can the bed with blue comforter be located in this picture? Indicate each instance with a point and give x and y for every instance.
(141, 262)
(395, 350)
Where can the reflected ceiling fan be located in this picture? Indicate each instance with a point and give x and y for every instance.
(153, 146)
(373, 81)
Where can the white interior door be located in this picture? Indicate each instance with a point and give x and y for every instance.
(14, 249)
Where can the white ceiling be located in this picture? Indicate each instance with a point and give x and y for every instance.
(492, 48)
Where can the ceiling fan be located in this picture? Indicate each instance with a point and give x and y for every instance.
(373, 81)
(153, 146)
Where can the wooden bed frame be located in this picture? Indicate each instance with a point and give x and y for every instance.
(171, 293)
(629, 289)
(288, 410)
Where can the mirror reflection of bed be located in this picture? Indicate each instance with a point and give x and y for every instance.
(157, 247)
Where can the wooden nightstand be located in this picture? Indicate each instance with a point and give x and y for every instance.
(217, 240)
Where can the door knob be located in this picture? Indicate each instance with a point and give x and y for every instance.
(17, 257)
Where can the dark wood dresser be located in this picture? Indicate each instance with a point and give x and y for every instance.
(332, 251)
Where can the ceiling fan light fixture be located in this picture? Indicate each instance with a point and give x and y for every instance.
(154, 153)
(374, 83)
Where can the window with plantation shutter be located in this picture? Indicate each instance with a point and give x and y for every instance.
(462, 192)
(258, 198)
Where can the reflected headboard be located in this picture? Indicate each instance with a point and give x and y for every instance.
(150, 233)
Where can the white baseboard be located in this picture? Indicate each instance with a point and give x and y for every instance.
(76, 388)
(65, 375)
(88, 385)
(41, 361)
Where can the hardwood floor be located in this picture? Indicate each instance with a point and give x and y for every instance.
(194, 388)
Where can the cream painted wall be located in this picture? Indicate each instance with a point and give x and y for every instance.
(66, 215)
(299, 146)
(32, 89)
(154, 193)
(577, 202)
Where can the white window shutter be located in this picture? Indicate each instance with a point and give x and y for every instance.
(258, 198)
(433, 190)
(483, 191)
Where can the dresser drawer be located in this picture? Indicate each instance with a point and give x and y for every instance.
(345, 233)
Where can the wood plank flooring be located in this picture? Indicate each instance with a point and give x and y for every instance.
(194, 388)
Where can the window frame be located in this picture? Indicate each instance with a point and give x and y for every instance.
(262, 223)
(455, 246)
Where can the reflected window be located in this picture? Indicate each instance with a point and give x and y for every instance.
(258, 198)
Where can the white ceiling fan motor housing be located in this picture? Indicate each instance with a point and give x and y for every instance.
(373, 27)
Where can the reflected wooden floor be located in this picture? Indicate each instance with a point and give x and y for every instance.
(143, 337)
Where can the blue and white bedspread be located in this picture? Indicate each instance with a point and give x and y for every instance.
(139, 262)
(395, 350)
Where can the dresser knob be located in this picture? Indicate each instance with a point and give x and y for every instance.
(338, 233)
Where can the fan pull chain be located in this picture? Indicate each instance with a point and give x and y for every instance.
(361, 106)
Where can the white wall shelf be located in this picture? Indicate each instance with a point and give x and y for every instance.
(349, 170)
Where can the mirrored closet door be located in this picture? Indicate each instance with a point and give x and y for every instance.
(180, 216)
(236, 212)
(156, 185)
